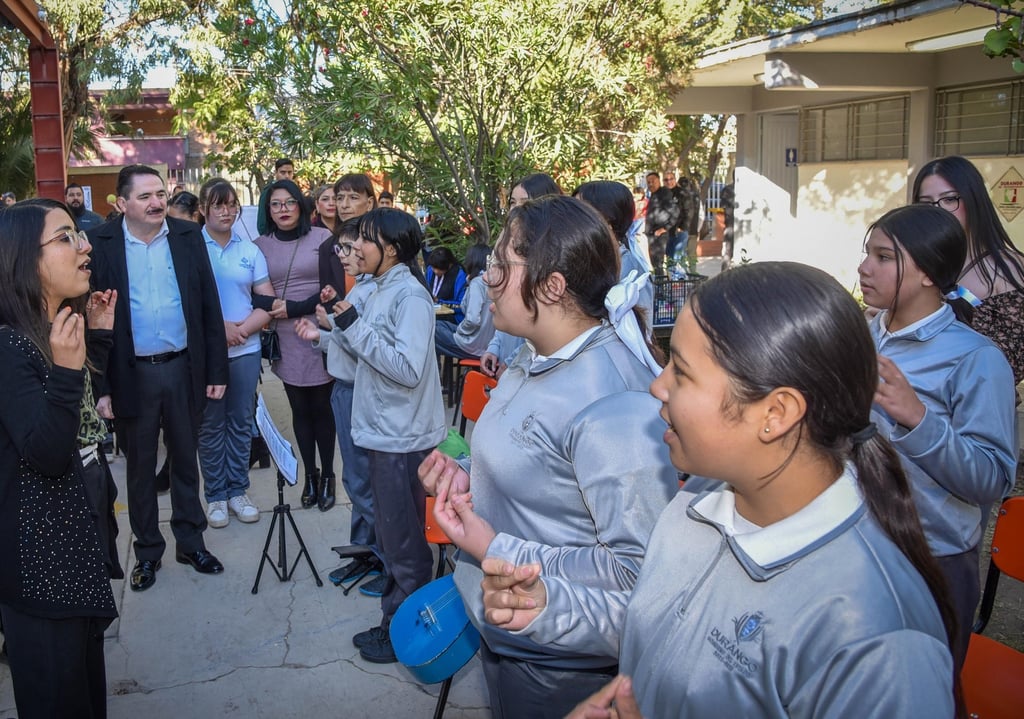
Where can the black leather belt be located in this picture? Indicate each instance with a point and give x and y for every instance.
(160, 358)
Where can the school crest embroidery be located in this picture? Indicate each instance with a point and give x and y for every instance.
(749, 626)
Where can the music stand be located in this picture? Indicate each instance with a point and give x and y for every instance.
(281, 568)
(284, 461)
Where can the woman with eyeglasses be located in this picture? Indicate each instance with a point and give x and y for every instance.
(56, 497)
(291, 247)
(568, 467)
(993, 276)
(225, 433)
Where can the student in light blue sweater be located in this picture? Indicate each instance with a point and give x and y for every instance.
(341, 365)
(946, 399)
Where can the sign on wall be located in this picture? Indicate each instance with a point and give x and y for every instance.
(1008, 194)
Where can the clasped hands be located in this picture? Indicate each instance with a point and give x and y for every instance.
(513, 596)
(309, 331)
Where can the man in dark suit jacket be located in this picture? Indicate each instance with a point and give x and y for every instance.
(169, 356)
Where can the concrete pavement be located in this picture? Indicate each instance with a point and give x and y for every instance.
(204, 646)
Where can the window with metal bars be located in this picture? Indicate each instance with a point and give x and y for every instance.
(980, 119)
(866, 130)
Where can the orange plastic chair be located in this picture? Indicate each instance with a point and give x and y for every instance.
(993, 673)
(435, 535)
(461, 369)
(475, 394)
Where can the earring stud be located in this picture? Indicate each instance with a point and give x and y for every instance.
(767, 430)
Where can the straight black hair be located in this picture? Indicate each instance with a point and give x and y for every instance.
(476, 259)
(388, 226)
(305, 223)
(935, 242)
(783, 324)
(538, 184)
(985, 233)
(22, 304)
(614, 201)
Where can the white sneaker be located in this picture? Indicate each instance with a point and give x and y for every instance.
(217, 514)
(243, 508)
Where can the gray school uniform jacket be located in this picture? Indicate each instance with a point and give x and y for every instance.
(962, 456)
(396, 406)
(819, 615)
(341, 360)
(476, 330)
(569, 467)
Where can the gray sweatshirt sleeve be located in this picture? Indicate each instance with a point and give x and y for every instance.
(971, 453)
(402, 361)
(625, 486)
(473, 307)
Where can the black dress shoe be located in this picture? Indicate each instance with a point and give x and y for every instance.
(201, 560)
(144, 574)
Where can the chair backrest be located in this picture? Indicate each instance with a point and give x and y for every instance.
(475, 394)
(993, 674)
(1007, 555)
(431, 531)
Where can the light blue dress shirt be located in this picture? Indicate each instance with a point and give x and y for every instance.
(158, 321)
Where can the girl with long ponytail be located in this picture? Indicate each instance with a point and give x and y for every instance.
(946, 396)
(790, 576)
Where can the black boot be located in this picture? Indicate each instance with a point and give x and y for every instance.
(259, 452)
(325, 500)
(311, 489)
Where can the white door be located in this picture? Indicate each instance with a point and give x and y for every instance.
(780, 153)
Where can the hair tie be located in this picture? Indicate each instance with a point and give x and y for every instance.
(619, 302)
(862, 436)
(961, 292)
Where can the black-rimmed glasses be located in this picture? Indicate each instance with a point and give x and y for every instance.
(949, 203)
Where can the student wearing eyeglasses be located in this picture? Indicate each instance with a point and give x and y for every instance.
(56, 505)
(291, 247)
(993, 276)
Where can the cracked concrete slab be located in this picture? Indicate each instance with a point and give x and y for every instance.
(203, 646)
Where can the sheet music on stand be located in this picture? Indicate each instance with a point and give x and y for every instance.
(280, 448)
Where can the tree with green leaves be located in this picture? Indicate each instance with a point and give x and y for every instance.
(118, 39)
(1006, 38)
(453, 100)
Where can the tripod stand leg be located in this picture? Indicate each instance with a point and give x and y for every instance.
(442, 699)
(264, 557)
(303, 550)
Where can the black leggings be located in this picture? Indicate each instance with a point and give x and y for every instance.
(313, 424)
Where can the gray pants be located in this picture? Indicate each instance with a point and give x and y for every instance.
(355, 470)
(961, 572)
(399, 508)
(526, 690)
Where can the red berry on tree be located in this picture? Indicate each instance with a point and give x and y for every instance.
(250, 21)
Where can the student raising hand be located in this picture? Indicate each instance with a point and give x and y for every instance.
(67, 339)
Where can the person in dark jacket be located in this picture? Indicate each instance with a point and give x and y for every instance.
(56, 506)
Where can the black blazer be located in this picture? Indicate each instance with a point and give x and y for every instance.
(200, 302)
